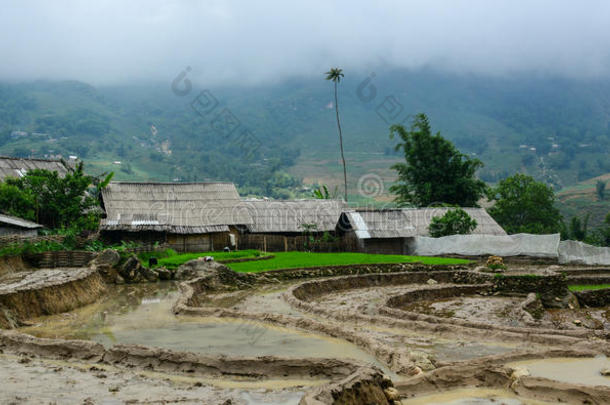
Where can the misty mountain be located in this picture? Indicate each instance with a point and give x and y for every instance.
(555, 129)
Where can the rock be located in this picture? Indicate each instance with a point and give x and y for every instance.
(391, 394)
(533, 306)
(148, 274)
(108, 257)
(415, 370)
(568, 300)
(431, 282)
(130, 269)
(221, 273)
(519, 372)
(164, 274)
(577, 322)
(105, 264)
(605, 372)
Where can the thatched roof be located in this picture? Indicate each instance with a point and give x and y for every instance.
(18, 222)
(367, 224)
(409, 222)
(18, 167)
(290, 215)
(184, 208)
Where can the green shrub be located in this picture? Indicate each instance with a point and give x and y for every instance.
(454, 222)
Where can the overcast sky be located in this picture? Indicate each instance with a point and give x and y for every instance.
(113, 41)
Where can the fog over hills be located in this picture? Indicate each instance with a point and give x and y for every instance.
(233, 90)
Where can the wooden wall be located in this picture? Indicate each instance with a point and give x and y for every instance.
(288, 243)
(16, 231)
(385, 246)
(179, 242)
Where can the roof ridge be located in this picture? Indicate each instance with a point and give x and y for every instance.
(38, 159)
(170, 182)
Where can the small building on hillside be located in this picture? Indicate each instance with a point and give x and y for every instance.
(391, 231)
(13, 226)
(187, 217)
(286, 225)
(18, 167)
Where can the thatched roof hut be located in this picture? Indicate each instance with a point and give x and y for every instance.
(294, 216)
(10, 225)
(18, 167)
(178, 208)
(409, 222)
(372, 224)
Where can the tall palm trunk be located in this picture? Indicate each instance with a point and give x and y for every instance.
(341, 143)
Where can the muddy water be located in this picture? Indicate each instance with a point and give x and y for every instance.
(472, 396)
(142, 315)
(570, 370)
(267, 298)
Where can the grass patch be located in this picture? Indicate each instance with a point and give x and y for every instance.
(588, 287)
(171, 259)
(293, 260)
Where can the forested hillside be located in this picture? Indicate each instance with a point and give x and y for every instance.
(269, 138)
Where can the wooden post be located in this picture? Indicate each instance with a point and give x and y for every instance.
(264, 243)
(285, 244)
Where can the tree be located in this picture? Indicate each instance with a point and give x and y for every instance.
(335, 75)
(56, 202)
(16, 202)
(600, 189)
(454, 222)
(600, 236)
(578, 230)
(435, 171)
(523, 205)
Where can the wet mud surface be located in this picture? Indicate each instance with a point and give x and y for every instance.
(585, 371)
(473, 396)
(28, 380)
(141, 314)
(499, 310)
(273, 342)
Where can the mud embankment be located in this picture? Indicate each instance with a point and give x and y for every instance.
(367, 386)
(12, 264)
(493, 373)
(163, 360)
(43, 292)
(303, 297)
(393, 308)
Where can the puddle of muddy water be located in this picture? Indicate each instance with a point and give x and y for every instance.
(585, 371)
(472, 396)
(267, 298)
(141, 314)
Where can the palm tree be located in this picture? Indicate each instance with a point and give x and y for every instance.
(335, 74)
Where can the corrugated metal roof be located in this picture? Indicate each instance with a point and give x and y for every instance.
(18, 167)
(18, 222)
(410, 222)
(290, 215)
(173, 207)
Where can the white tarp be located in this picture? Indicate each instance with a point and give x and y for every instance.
(481, 245)
(571, 251)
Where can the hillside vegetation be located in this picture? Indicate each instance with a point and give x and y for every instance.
(556, 130)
